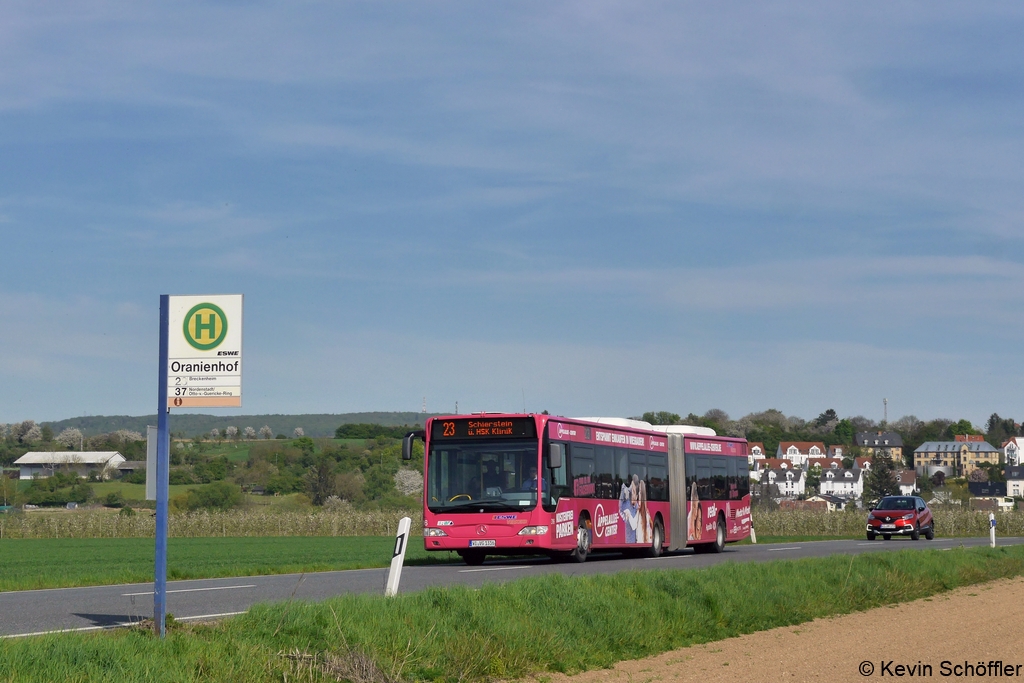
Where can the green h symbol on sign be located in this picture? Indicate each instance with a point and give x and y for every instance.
(210, 326)
(205, 317)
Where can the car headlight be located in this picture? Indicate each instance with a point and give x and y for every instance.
(534, 530)
(910, 516)
(434, 532)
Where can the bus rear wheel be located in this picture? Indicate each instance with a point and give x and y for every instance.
(657, 538)
(719, 544)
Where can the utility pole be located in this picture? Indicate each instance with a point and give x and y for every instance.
(885, 411)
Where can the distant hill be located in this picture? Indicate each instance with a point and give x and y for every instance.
(187, 424)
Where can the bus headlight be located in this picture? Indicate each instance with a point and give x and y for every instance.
(434, 532)
(533, 531)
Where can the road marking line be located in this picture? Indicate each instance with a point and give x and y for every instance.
(193, 590)
(65, 630)
(210, 616)
(775, 550)
(122, 624)
(491, 569)
(869, 543)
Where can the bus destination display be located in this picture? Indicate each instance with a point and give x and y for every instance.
(484, 427)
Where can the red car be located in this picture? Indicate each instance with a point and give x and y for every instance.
(901, 515)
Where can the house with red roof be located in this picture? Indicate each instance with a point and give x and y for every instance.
(798, 452)
(755, 452)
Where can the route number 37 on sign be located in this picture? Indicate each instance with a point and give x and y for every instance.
(204, 364)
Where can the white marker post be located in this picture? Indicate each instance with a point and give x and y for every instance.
(401, 541)
(992, 530)
(753, 536)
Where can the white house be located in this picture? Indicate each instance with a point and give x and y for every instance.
(791, 483)
(755, 451)
(842, 483)
(1015, 481)
(1012, 450)
(908, 481)
(825, 463)
(45, 463)
(798, 452)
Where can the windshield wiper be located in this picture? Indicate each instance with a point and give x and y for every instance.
(483, 504)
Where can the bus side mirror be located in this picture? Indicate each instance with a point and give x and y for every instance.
(407, 443)
(555, 455)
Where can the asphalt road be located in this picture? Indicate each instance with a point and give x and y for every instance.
(41, 611)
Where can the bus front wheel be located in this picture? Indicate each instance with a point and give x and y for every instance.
(582, 542)
(473, 558)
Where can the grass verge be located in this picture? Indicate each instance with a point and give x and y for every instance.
(60, 563)
(551, 623)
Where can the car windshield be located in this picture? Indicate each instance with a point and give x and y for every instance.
(895, 504)
(475, 475)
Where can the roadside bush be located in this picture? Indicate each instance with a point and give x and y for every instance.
(216, 496)
(284, 483)
(114, 499)
(136, 477)
(60, 489)
(180, 476)
(211, 470)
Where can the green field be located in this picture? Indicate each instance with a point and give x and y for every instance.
(508, 631)
(59, 563)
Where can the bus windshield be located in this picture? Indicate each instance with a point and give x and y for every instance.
(483, 475)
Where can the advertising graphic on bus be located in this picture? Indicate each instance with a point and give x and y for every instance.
(538, 484)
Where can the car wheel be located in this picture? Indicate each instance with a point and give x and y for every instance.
(871, 535)
(719, 544)
(930, 534)
(886, 537)
(474, 558)
(915, 535)
(582, 543)
(657, 537)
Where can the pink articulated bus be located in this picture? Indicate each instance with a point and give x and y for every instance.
(566, 487)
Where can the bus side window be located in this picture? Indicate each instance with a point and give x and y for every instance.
(621, 469)
(638, 469)
(719, 473)
(704, 489)
(743, 474)
(657, 473)
(582, 459)
(691, 473)
(604, 471)
(732, 481)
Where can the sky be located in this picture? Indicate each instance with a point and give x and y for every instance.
(589, 208)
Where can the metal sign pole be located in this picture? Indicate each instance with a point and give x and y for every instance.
(162, 477)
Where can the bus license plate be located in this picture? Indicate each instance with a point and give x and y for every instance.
(481, 544)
